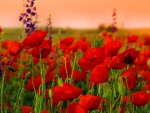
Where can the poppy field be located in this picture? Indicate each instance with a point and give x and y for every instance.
(40, 74)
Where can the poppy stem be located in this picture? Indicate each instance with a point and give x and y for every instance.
(2, 87)
(73, 65)
(67, 80)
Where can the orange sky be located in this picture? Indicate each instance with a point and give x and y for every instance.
(80, 13)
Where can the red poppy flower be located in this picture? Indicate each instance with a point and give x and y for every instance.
(89, 101)
(37, 81)
(14, 47)
(99, 74)
(144, 74)
(122, 109)
(132, 38)
(146, 53)
(129, 55)
(73, 47)
(84, 46)
(75, 108)
(141, 61)
(78, 75)
(33, 83)
(70, 92)
(44, 49)
(116, 63)
(35, 39)
(64, 92)
(112, 48)
(4, 44)
(125, 99)
(139, 98)
(67, 41)
(129, 77)
(108, 38)
(1, 29)
(35, 60)
(147, 41)
(27, 109)
(91, 58)
(104, 34)
(49, 76)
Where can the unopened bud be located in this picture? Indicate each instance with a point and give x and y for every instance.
(50, 93)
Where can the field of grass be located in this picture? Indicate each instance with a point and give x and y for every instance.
(15, 33)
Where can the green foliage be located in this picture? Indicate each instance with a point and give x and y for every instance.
(98, 42)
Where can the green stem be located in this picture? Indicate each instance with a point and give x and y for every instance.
(2, 87)
(66, 69)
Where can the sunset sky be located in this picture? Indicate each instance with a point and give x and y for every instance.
(80, 13)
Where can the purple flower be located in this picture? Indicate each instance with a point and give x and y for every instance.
(20, 18)
(114, 29)
(34, 8)
(24, 21)
(33, 13)
(28, 10)
(27, 5)
(28, 19)
(32, 3)
(1, 73)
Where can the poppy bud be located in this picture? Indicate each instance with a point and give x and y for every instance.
(60, 81)
(50, 93)
(121, 88)
(148, 62)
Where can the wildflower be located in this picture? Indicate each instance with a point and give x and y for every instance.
(1, 73)
(67, 41)
(91, 58)
(132, 38)
(129, 77)
(90, 101)
(66, 92)
(139, 98)
(37, 81)
(29, 17)
(76, 108)
(117, 63)
(1, 29)
(147, 41)
(14, 47)
(78, 75)
(27, 109)
(44, 49)
(35, 39)
(112, 48)
(114, 21)
(130, 55)
(99, 74)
